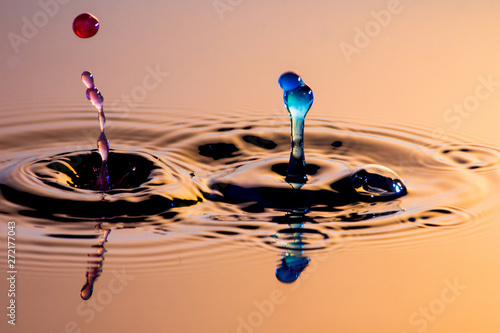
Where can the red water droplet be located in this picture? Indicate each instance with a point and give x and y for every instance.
(85, 25)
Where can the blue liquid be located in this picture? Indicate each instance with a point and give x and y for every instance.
(298, 101)
(298, 98)
(290, 268)
(289, 81)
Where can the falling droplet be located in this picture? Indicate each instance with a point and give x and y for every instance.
(298, 98)
(377, 181)
(85, 25)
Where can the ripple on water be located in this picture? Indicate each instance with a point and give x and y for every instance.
(468, 157)
(184, 183)
(63, 187)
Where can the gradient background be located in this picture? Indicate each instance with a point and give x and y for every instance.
(429, 56)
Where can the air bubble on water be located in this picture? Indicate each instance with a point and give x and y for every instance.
(377, 181)
(85, 25)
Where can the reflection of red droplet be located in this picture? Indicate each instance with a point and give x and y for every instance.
(85, 25)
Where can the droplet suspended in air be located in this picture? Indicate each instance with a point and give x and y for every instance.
(95, 97)
(85, 25)
(88, 79)
(289, 81)
(377, 181)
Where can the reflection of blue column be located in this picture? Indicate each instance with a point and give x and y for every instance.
(293, 262)
(290, 268)
(94, 269)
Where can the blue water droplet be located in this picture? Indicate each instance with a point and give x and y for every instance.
(377, 181)
(289, 81)
(299, 100)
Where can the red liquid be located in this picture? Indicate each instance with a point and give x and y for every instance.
(85, 25)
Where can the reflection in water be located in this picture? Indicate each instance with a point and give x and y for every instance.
(293, 261)
(95, 263)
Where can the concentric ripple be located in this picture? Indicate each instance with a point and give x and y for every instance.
(199, 181)
(62, 187)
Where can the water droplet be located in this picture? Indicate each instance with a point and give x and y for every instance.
(299, 100)
(94, 96)
(88, 79)
(377, 181)
(289, 81)
(85, 25)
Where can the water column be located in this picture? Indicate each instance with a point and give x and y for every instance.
(298, 98)
(95, 97)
